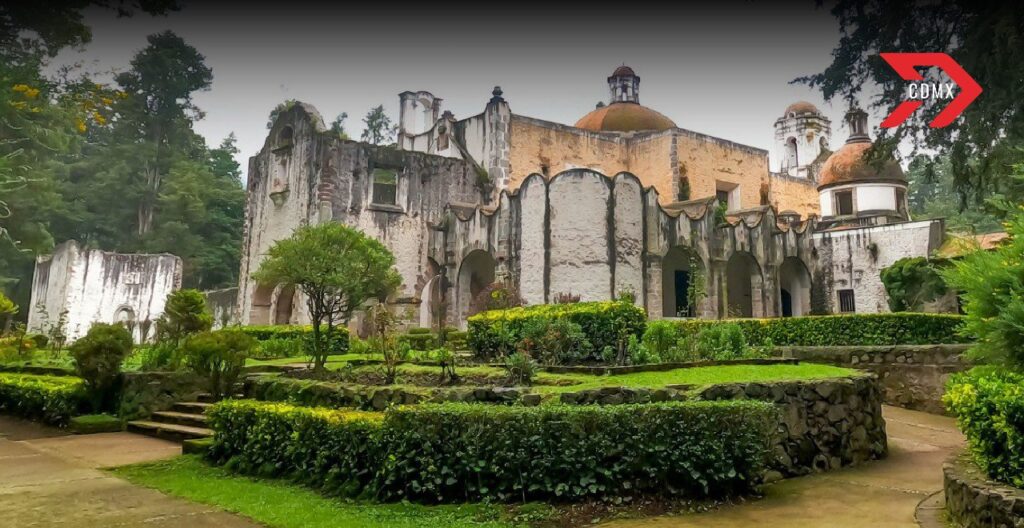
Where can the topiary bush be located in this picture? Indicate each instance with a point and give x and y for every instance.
(98, 357)
(886, 329)
(467, 452)
(604, 324)
(53, 399)
(219, 357)
(184, 314)
(989, 406)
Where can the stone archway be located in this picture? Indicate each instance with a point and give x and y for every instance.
(259, 312)
(283, 312)
(476, 272)
(744, 285)
(794, 288)
(430, 300)
(681, 269)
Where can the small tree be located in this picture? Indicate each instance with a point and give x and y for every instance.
(184, 314)
(219, 357)
(98, 357)
(386, 342)
(7, 312)
(379, 128)
(337, 268)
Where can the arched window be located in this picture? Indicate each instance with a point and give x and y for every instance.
(791, 160)
(284, 138)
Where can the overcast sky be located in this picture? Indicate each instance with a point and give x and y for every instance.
(722, 69)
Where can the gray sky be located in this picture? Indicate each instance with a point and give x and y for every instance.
(722, 69)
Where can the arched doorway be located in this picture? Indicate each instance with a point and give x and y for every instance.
(681, 270)
(743, 283)
(430, 301)
(285, 302)
(475, 273)
(259, 313)
(794, 287)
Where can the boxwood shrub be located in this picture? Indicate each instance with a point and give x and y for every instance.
(989, 406)
(903, 328)
(53, 399)
(268, 332)
(467, 452)
(603, 323)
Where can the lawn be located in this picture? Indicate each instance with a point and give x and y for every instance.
(280, 504)
(332, 361)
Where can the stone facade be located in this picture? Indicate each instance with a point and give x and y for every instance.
(222, 305)
(911, 376)
(974, 501)
(99, 286)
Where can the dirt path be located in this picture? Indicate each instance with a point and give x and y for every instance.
(880, 493)
(48, 479)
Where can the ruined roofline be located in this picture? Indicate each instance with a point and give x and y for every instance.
(703, 206)
(85, 249)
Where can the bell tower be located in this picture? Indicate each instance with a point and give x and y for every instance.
(624, 85)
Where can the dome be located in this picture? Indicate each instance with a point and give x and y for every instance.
(847, 165)
(622, 71)
(624, 117)
(801, 107)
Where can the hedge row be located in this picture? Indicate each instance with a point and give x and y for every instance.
(424, 339)
(467, 452)
(603, 323)
(269, 332)
(53, 399)
(903, 328)
(989, 406)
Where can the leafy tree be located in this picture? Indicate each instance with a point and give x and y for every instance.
(7, 310)
(338, 126)
(911, 282)
(992, 294)
(929, 183)
(984, 38)
(379, 128)
(337, 268)
(98, 358)
(184, 314)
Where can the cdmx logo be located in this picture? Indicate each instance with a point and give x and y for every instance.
(906, 65)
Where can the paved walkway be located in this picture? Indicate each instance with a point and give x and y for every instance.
(880, 493)
(48, 478)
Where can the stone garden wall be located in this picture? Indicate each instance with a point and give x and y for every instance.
(825, 424)
(912, 376)
(973, 501)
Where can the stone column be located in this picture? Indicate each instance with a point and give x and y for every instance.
(654, 287)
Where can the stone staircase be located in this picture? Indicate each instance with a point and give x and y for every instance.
(184, 421)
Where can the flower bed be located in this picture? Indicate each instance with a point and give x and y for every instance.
(466, 452)
(53, 399)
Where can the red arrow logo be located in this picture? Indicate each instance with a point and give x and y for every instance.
(905, 65)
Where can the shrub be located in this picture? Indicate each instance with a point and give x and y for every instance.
(340, 344)
(842, 330)
(910, 282)
(553, 341)
(466, 452)
(989, 406)
(277, 348)
(185, 314)
(520, 368)
(219, 357)
(993, 296)
(419, 340)
(721, 341)
(98, 357)
(53, 399)
(496, 296)
(604, 324)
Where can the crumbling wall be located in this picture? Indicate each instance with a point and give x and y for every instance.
(99, 286)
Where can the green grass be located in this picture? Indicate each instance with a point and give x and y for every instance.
(280, 504)
(335, 360)
(696, 376)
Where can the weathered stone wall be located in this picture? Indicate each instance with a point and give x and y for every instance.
(974, 501)
(789, 193)
(854, 259)
(581, 258)
(98, 286)
(549, 148)
(911, 376)
(222, 304)
(825, 424)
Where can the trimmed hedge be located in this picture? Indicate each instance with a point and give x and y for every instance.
(989, 406)
(268, 332)
(903, 328)
(53, 399)
(467, 452)
(603, 323)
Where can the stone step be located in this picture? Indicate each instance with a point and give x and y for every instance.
(191, 407)
(179, 418)
(173, 432)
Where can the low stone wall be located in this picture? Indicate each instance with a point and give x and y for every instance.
(824, 425)
(974, 501)
(912, 376)
(146, 392)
